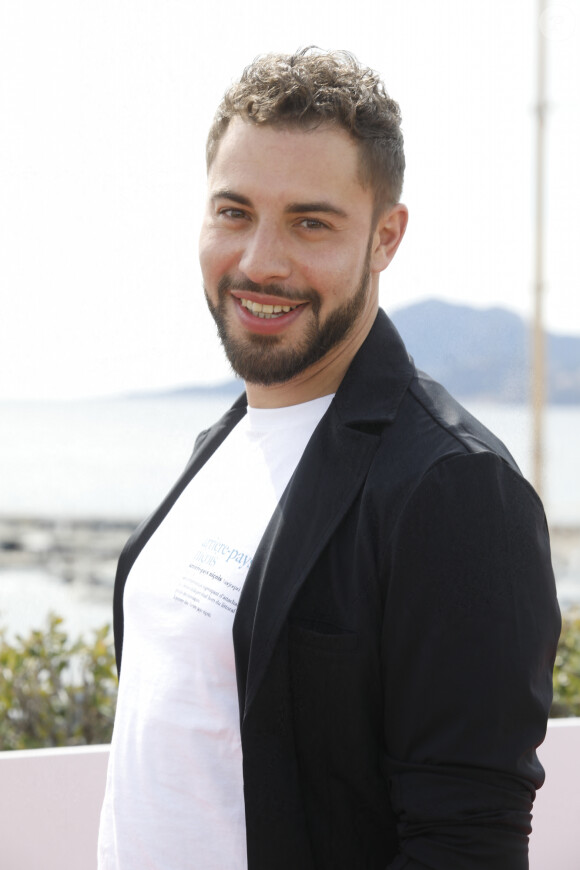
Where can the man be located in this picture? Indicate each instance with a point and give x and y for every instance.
(337, 632)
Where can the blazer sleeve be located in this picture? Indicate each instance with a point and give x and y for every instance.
(470, 633)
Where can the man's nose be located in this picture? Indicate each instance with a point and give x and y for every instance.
(265, 258)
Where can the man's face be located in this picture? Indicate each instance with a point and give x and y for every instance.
(285, 248)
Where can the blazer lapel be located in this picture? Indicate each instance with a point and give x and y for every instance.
(333, 467)
(324, 485)
(206, 444)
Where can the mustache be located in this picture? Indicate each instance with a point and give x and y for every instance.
(225, 284)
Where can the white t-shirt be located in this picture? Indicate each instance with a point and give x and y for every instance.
(174, 796)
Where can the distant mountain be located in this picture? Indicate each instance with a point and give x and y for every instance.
(231, 389)
(474, 353)
(485, 354)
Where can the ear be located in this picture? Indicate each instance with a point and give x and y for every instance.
(389, 231)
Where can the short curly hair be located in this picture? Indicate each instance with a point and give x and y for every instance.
(313, 87)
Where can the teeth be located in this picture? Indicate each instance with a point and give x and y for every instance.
(267, 311)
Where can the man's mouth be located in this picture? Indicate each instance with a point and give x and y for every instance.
(269, 312)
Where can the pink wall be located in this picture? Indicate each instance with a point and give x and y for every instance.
(50, 801)
(555, 841)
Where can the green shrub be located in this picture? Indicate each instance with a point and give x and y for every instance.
(56, 692)
(567, 668)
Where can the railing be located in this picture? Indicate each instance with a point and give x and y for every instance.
(50, 801)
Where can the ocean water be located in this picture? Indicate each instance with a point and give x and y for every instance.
(27, 597)
(102, 458)
(112, 459)
(118, 457)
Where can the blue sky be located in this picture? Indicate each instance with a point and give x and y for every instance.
(104, 108)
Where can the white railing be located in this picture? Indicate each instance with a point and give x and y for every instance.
(50, 801)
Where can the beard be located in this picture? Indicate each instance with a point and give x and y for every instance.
(262, 359)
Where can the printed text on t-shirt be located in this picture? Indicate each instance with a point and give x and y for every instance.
(221, 590)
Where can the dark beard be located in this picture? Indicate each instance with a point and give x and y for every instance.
(257, 359)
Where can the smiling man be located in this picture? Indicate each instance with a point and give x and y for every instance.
(337, 632)
(291, 251)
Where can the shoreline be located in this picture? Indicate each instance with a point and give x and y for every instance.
(83, 552)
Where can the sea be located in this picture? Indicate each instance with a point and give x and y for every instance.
(116, 458)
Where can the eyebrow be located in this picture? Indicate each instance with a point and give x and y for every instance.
(318, 207)
(229, 194)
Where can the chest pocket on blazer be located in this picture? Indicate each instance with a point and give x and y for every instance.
(321, 636)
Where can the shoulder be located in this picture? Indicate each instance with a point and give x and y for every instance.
(437, 467)
(447, 424)
(431, 429)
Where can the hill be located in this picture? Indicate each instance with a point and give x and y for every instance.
(475, 353)
(485, 354)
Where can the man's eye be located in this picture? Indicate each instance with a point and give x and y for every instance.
(233, 213)
(312, 224)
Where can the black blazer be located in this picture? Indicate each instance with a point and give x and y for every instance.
(395, 636)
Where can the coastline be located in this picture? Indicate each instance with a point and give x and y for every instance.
(64, 566)
(68, 564)
(76, 550)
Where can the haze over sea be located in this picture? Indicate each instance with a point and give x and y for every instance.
(114, 459)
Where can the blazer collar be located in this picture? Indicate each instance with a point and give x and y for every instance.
(377, 378)
(334, 466)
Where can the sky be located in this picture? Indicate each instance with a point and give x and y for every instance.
(104, 110)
